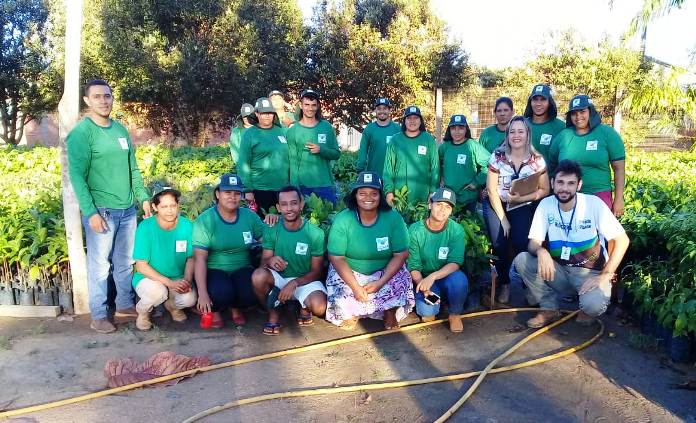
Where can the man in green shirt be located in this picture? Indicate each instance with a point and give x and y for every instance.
(245, 122)
(264, 158)
(163, 260)
(291, 264)
(283, 110)
(107, 183)
(435, 255)
(493, 136)
(541, 112)
(412, 160)
(376, 137)
(312, 143)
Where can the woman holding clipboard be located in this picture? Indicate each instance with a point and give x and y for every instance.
(517, 177)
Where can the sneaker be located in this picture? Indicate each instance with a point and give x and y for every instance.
(543, 318)
(584, 319)
(143, 322)
(455, 323)
(102, 326)
(127, 312)
(504, 295)
(178, 315)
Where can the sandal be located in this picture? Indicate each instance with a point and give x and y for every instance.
(305, 318)
(271, 329)
(238, 318)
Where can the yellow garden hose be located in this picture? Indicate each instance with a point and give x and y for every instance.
(324, 391)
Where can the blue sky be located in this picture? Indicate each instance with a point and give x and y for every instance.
(504, 32)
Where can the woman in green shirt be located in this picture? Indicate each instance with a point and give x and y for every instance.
(493, 136)
(368, 247)
(245, 121)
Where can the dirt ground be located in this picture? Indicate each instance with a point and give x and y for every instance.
(612, 381)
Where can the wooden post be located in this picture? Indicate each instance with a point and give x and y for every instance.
(68, 114)
(438, 114)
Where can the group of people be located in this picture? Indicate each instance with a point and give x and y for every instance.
(370, 264)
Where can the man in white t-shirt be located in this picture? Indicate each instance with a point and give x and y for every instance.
(573, 259)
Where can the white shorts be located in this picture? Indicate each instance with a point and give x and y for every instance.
(302, 292)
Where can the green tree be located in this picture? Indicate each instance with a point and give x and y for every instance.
(363, 49)
(28, 85)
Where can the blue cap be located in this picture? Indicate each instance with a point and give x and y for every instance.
(444, 194)
(230, 182)
(383, 101)
(542, 90)
(579, 102)
(309, 93)
(412, 110)
(368, 179)
(457, 120)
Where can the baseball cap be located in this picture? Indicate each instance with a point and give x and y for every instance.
(368, 180)
(542, 90)
(160, 189)
(276, 92)
(309, 93)
(263, 105)
(246, 110)
(579, 102)
(444, 194)
(230, 182)
(457, 120)
(412, 110)
(383, 101)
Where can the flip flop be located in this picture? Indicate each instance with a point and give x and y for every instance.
(271, 329)
(305, 319)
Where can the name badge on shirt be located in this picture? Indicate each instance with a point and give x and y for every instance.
(301, 248)
(282, 139)
(442, 253)
(124, 143)
(388, 138)
(321, 138)
(181, 246)
(422, 150)
(461, 158)
(591, 145)
(565, 253)
(382, 243)
(248, 238)
(545, 139)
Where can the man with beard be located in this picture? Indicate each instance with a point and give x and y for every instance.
(541, 112)
(376, 138)
(574, 260)
(291, 264)
(312, 146)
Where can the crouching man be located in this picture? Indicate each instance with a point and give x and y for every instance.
(575, 260)
(291, 263)
(163, 260)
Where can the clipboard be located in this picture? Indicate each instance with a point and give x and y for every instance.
(524, 186)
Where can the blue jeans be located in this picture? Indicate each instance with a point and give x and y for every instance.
(325, 193)
(115, 246)
(506, 248)
(453, 287)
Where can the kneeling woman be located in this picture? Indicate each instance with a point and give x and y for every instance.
(435, 254)
(368, 247)
(223, 236)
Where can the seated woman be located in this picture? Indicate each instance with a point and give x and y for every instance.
(368, 246)
(163, 260)
(223, 236)
(435, 254)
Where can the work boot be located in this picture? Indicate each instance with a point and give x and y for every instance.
(102, 326)
(143, 321)
(543, 318)
(178, 315)
(504, 295)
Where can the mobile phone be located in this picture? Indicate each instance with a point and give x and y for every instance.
(432, 298)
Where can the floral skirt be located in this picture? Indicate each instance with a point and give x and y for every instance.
(342, 304)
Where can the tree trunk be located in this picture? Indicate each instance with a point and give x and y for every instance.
(68, 114)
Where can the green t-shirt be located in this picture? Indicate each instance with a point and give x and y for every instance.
(307, 169)
(367, 249)
(428, 251)
(491, 138)
(593, 151)
(263, 159)
(296, 247)
(165, 250)
(461, 165)
(412, 162)
(227, 243)
(235, 142)
(373, 146)
(292, 117)
(102, 167)
(543, 135)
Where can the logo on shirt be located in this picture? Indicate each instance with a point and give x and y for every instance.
(550, 219)
(181, 246)
(591, 145)
(282, 139)
(382, 243)
(545, 139)
(442, 253)
(248, 238)
(321, 138)
(388, 138)
(301, 248)
(124, 143)
(422, 150)
(461, 158)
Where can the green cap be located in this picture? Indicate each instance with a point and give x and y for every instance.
(230, 182)
(579, 102)
(412, 110)
(276, 92)
(542, 90)
(309, 93)
(263, 105)
(159, 189)
(246, 110)
(368, 179)
(457, 120)
(445, 195)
